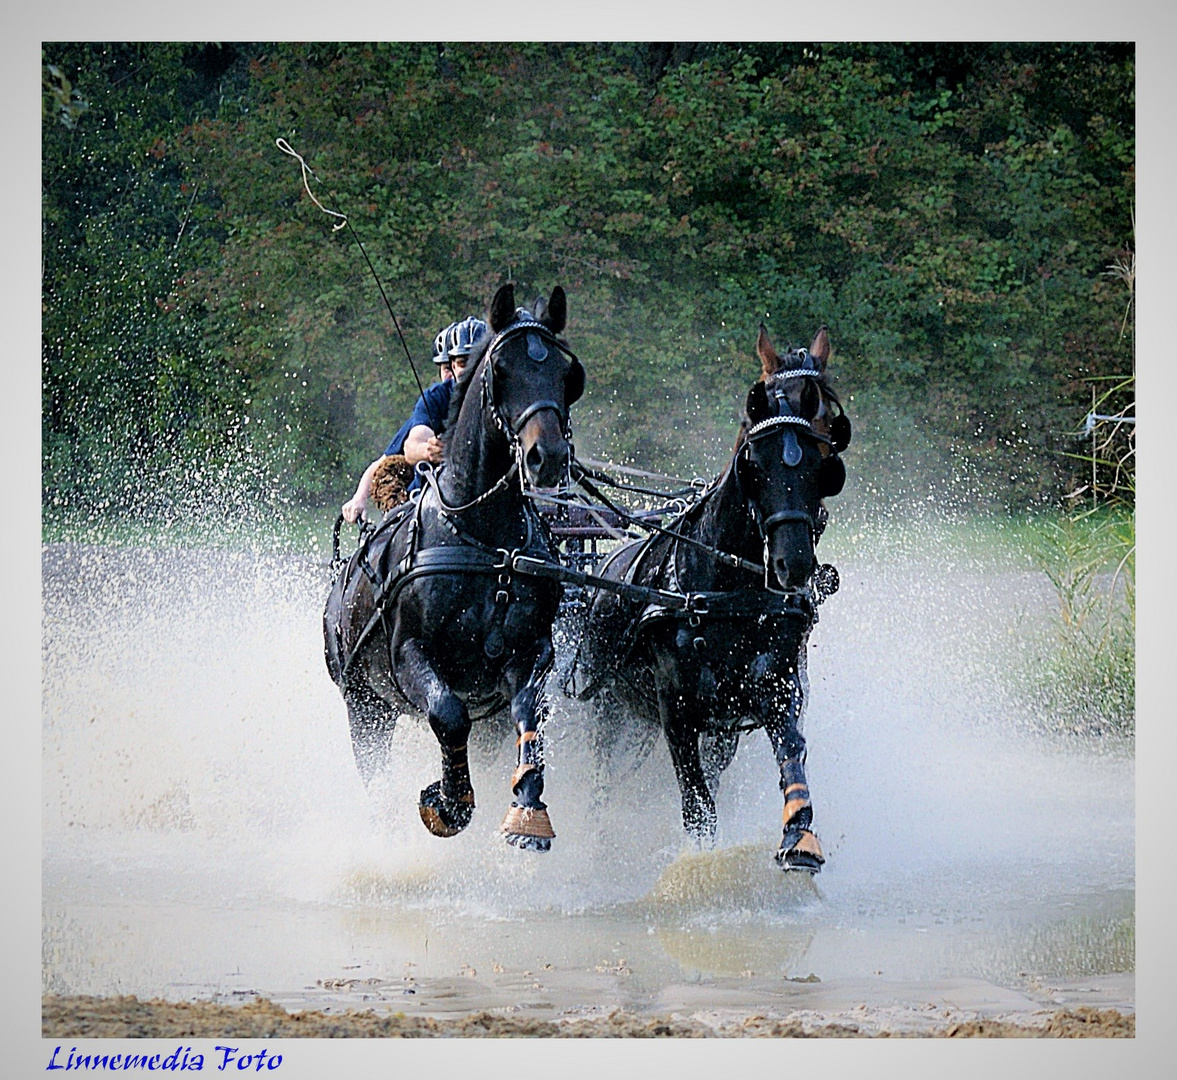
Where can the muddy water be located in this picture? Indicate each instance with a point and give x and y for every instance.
(206, 834)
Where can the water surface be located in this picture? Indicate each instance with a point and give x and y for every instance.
(206, 833)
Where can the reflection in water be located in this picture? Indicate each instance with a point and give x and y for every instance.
(205, 830)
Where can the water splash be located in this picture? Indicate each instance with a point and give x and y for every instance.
(196, 753)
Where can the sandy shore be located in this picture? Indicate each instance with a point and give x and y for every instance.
(128, 1017)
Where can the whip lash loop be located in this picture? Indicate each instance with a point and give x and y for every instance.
(286, 148)
(344, 223)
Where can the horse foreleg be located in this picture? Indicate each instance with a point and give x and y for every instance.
(698, 806)
(716, 752)
(799, 849)
(526, 824)
(372, 721)
(447, 804)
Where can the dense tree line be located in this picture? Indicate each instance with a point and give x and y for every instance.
(949, 210)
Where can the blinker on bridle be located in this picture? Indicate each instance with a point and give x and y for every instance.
(791, 453)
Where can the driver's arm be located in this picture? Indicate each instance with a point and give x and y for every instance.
(422, 445)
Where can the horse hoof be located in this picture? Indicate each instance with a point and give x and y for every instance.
(791, 860)
(441, 816)
(799, 850)
(528, 828)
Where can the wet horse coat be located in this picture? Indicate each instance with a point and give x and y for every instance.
(428, 612)
(735, 660)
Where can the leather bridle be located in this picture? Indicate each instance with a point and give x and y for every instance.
(539, 337)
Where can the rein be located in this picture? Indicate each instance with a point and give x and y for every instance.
(426, 470)
(724, 557)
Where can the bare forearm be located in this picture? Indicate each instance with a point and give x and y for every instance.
(422, 445)
(354, 507)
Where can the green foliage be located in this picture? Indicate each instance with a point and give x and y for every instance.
(1086, 681)
(1096, 651)
(946, 209)
(127, 386)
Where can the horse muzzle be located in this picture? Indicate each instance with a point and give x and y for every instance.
(790, 547)
(544, 452)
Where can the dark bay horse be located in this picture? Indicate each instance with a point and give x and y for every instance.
(428, 613)
(734, 660)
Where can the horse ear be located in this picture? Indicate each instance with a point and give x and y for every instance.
(770, 363)
(820, 349)
(555, 311)
(757, 406)
(502, 307)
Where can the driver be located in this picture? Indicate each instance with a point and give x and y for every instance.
(419, 437)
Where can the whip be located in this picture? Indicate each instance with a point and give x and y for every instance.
(344, 223)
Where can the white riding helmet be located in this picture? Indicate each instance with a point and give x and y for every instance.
(463, 335)
(441, 353)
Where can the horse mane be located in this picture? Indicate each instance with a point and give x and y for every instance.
(462, 383)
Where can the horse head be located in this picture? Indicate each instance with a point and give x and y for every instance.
(788, 455)
(530, 378)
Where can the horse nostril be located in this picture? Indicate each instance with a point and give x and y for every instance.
(535, 458)
(793, 568)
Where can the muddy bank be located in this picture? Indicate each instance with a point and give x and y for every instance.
(128, 1017)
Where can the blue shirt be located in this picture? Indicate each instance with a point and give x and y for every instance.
(431, 410)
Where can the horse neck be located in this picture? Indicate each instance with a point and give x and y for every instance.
(726, 523)
(477, 458)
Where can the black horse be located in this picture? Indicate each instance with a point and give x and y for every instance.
(428, 613)
(733, 659)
